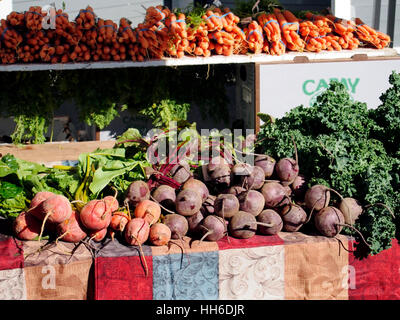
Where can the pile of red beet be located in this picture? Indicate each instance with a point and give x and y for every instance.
(220, 199)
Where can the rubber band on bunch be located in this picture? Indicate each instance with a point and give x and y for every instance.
(213, 15)
(4, 31)
(252, 31)
(108, 25)
(34, 12)
(162, 13)
(269, 21)
(289, 23)
(126, 28)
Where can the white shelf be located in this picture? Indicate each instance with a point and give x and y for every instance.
(187, 61)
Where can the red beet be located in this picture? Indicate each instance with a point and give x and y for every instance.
(252, 201)
(178, 225)
(198, 186)
(226, 205)
(271, 217)
(293, 217)
(188, 202)
(95, 215)
(329, 221)
(275, 195)
(266, 163)
(213, 228)
(137, 191)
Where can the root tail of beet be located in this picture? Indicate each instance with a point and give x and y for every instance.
(311, 213)
(61, 236)
(162, 207)
(43, 224)
(143, 257)
(268, 225)
(356, 230)
(382, 205)
(296, 158)
(335, 192)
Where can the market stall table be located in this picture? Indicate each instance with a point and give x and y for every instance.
(286, 266)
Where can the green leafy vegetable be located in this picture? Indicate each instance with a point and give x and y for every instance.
(347, 147)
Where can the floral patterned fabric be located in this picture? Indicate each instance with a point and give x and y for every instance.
(281, 267)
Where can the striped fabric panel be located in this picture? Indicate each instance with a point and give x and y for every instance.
(316, 268)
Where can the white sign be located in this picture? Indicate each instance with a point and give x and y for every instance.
(5, 8)
(283, 87)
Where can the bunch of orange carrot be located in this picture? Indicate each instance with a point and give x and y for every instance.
(33, 18)
(9, 37)
(254, 37)
(86, 18)
(290, 25)
(223, 32)
(273, 43)
(369, 35)
(176, 29)
(166, 33)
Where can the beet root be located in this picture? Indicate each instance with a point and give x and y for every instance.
(266, 163)
(180, 172)
(137, 191)
(137, 231)
(165, 195)
(188, 202)
(37, 200)
(317, 197)
(178, 225)
(235, 190)
(213, 228)
(351, 210)
(207, 207)
(287, 170)
(26, 226)
(95, 216)
(226, 205)
(293, 217)
(252, 201)
(159, 234)
(275, 195)
(71, 229)
(243, 225)
(98, 235)
(269, 216)
(255, 180)
(329, 221)
(194, 222)
(198, 186)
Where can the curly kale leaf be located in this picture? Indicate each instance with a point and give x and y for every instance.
(338, 146)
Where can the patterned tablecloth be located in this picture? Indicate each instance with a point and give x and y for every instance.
(285, 266)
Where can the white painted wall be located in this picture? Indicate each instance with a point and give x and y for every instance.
(106, 9)
(5, 8)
